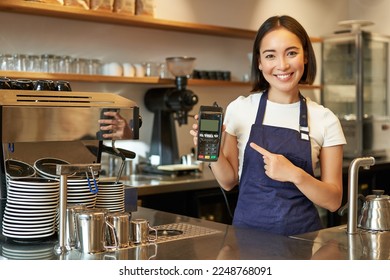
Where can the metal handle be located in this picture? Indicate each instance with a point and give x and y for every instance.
(64, 170)
(114, 232)
(96, 190)
(155, 234)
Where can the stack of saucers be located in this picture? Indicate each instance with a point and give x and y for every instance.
(30, 210)
(29, 251)
(82, 190)
(111, 196)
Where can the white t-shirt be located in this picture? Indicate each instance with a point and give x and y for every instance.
(325, 128)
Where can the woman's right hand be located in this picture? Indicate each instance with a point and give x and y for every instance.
(194, 130)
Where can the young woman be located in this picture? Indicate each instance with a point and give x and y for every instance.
(275, 137)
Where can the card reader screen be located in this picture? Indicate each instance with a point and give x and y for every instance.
(209, 125)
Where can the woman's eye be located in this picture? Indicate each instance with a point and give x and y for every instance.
(292, 53)
(269, 56)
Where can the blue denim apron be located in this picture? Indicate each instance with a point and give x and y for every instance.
(267, 204)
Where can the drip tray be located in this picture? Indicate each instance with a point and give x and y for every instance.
(177, 231)
(167, 232)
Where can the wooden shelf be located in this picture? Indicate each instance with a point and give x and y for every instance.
(75, 13)
(113, 79)
(129, 80)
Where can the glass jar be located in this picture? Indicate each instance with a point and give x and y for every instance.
(33, 63)
(7, 62)
(94, 67)
(47, 63)
(20, 62)
(63, 64)
(79, 66)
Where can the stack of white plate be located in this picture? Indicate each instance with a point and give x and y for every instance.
(30, 251)
(111, 196)
(82, 190)
(30, 210)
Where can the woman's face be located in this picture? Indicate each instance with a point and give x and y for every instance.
(282, 60)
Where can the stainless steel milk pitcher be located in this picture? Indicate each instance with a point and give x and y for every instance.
(121, 223)
(91, 231)
(140, 231)
(71, 241)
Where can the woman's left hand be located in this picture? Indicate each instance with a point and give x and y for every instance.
(276, 166)
(116, 127)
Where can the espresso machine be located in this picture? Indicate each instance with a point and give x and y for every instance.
(355, 86)
(63, 125)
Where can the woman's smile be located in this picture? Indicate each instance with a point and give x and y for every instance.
(283, 77)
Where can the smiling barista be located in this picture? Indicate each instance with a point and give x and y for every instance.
(275, 137)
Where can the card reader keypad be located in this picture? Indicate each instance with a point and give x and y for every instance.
(209, 149)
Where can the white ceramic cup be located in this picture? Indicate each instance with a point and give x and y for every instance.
(112, 69)
(128, 70)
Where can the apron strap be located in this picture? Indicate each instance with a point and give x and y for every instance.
(261, 111)
(303, 122)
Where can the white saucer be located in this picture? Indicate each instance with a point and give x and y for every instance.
(30, 209)
(34, 191)
(39, 196)
(28, 227)
(29, 219)
(36, 221)
(34, 181)
(32, 203)
(106, 193)
(28, 235)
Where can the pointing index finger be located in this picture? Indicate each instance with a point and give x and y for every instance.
(259, 149)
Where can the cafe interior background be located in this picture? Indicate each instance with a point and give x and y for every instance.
(125, 44)
(30, 34)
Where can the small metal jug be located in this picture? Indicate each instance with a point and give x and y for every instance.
(91, 231)
(121, 223)
(71, 241)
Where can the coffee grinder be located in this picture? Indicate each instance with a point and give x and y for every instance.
(168, 105)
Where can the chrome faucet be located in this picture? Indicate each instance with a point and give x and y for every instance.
(353, 173)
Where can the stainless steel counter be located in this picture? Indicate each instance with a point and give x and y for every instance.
(155, 184)
(219, 241)
(148, 184)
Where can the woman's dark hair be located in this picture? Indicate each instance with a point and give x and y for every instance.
(259, 83)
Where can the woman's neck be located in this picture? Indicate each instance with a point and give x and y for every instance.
(283, 97)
